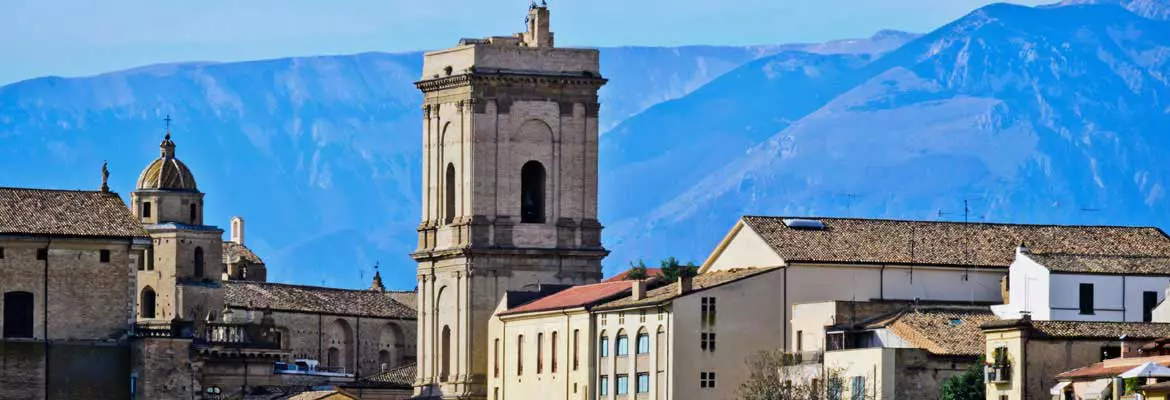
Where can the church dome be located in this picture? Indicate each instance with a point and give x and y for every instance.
(167, 172)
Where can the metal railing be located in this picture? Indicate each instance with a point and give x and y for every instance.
(237, 335)
(804, 357)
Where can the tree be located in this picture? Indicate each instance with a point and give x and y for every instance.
(672, 270)
(965, 386)
(776, 375)
(637, 271)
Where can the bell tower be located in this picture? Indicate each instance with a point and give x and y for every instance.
(509, 190)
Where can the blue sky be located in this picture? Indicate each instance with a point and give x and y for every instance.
(73, 38)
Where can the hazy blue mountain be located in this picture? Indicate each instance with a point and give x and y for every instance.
(1029, 114)
(1155, 9)
(319, 154)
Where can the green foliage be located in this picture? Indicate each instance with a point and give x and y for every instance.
(637, 271)
(965, 386)
(672, 269)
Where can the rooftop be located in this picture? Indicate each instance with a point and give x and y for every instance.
(1087, 330)
(700, 282)
(650, 272)
(233, 252)
(1095, 264)
(1109, 368)
(952, 330)
(71, 213)
(853, 240)
(576, 296)
(313, 299)
(400, 377)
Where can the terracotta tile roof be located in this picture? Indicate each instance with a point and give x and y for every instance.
(1101, 330)
(406, 298)
(320, 394)
(940, 330)
(233, 252)
(700, 282)
(849, 240)
(66, 213)
(1119, 265)
(1085, 329)
(650, 272)
(576, 296)
(402, 376)
(283, 297)
(1109, 368)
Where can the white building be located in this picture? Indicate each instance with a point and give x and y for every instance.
(1075, 287)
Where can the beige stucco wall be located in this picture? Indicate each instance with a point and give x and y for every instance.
(569, 381)
(658, 324)
(875, 365)
(742, 248)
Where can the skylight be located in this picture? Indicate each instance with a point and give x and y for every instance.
(798, 223)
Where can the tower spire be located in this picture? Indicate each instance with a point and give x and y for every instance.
(377, 285)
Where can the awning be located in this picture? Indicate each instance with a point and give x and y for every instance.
(1147, 370)
(1059, 388)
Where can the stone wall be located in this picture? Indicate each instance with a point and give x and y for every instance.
(163, 368)
(920, 375)
(64, 371)
(88, 299)
(310, 336)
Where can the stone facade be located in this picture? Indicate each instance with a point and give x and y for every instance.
(509, 190)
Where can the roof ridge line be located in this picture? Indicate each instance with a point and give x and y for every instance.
(945, 222)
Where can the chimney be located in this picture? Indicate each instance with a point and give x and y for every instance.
(538, 34)
(238, 230)
(1127, 347)
(684, 284)
(638, 289)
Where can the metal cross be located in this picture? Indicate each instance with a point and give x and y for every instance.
(168, 119)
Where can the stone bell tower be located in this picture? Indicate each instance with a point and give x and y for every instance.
(509, 190)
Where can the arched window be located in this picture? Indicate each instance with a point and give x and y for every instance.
(199, 262)
(623, 344)
(643, 345)
(18, 315)
(603, 345)
(532, 193)
(446, 350)
(553, 355)
(449, 194)
(147, 303)
(519, 355)
(540, 352)
(194, 213)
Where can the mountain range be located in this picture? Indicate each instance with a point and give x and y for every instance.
(1049, 115)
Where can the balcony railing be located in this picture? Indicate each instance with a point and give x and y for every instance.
(804, 357)
(173, 329)
(238, 335)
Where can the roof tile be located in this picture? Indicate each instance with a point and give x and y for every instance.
(284, 297)
(66, 213)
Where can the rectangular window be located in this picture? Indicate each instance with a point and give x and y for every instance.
(540, 352)
(42, 254)
(707, 380)
(146, 209)
(623, 384)
(603, 385)
(603, 319)
(1087, 299)
(642, 315)
(576, 347)
(623, 345)
(496, 359)
(643, 343)
(707, 311)
(1110, 352)
(643, 382)
(857, 391)
(520, 355)
(603, 347)
(104, 256)
(1, 252)
(553, 355)
(707, 341)
(1149, 301)
(621, 317)
(799, 340)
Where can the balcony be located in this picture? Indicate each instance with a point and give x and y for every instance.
(239, 336)
(804, 357)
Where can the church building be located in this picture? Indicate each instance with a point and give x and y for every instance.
(509, 190)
